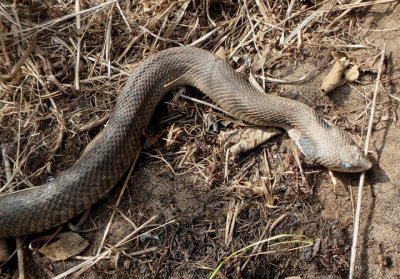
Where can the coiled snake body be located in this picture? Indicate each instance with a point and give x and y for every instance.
(97, 171)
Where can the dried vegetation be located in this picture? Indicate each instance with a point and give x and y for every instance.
(62, 65)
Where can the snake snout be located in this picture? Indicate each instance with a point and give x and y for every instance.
(353, 160)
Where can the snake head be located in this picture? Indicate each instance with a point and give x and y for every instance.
(352, 160)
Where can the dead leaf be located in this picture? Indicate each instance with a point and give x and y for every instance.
(211, 122)
(343, 70)
(259, 60)
(247, 139)
(221, 53)
(4, 252)
(351, 73)
(68, 244)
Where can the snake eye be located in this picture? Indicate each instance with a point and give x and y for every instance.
(347, 165)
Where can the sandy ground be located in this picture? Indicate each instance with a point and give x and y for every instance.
(379, 241)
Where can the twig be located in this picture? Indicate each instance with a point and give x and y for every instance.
(205, 36)
(78, 46)
(108, 41)
(303, 176)
(365, 4)
(242, 42)
(226, 165)
(7, 165)
(277, 221)
(158, 37)
(80, 268)
(394, 97)
(123, 17)
(263, 9)
(145, 251)
(21, 61)
(118, 201)
(300, 26)
(362, 177)
(346, 7)
(62, 128)
(203, 103)
(97, 122)
(341, 16)
(49, 23)
(251, 27)
(334, 181)
(178, 17)
(258, 247)
(20, 256)
(3, 45)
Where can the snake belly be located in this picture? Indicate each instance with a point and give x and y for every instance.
(97, 171)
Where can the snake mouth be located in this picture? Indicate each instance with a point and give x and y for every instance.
(363, 164)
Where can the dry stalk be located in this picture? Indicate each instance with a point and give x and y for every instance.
(258, 247)
(84, 266)
(78, 44)
(20, 256)
(7, 165)
(57, 20)
(117, 202)
(362, 177)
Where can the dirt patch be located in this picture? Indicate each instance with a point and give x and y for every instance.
(200, 208)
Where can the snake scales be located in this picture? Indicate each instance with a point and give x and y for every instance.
(97, 171)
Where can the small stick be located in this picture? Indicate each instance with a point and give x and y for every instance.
(144, 29)
(95, 123)
(118, 201)
(49, 23)
(78, 47)
(80, 268)
(242, 42)
(123, 17)
(277, 221)
(7, 165)
(22, 60)
(205, 36)
(362, 177)
(20, 255)
(145, 251)
(258, 247)
(364, 4)
(252, 27)
(3, 44)
(341, 15)
(108, 41)
(203, 103)
(226, 165)
(303, 177)
(62, 128)
(334, 181)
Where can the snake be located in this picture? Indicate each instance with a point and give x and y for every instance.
(95, 173)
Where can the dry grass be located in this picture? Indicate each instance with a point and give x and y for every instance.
(62, 65)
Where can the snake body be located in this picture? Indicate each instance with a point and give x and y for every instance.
(98, 170)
